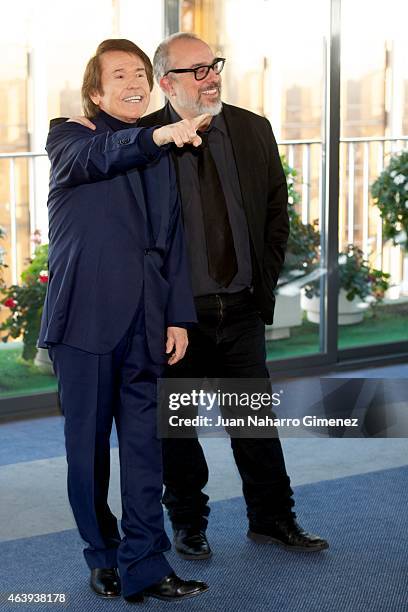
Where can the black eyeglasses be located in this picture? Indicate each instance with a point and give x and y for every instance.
(201, 72)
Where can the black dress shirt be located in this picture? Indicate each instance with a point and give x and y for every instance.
(221, 149)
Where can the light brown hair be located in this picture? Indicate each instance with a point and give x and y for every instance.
(92, 81)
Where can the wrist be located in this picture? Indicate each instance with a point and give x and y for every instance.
(157, 139)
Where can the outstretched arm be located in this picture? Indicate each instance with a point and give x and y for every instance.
(78, 155)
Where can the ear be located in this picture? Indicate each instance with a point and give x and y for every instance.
(166, 86)
(95, 97)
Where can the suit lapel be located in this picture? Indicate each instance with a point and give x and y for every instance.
(243, 152)
(133, 175)
(163, 117)
(138, 191)
(162, 210)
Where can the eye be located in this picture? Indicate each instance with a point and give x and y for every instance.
(201, 72)
(119, 76)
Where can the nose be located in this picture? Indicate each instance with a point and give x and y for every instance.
(131, 82)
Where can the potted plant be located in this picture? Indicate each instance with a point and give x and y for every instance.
(301, 258)
(25, 302)
(390, 194)
(361, 286)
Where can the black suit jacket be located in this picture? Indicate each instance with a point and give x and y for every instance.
(264, 193)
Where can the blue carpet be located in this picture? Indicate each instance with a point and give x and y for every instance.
(34, 439)
(365, 569)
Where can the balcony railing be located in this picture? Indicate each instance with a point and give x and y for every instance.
(361, 160)
(31, 195)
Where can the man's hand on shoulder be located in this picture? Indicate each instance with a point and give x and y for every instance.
(83, 121)
(176, 345)
(181, 133)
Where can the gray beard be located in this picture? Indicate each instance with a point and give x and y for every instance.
(213, 109)
(199, 108)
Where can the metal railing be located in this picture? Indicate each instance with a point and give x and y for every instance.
(361, 161)
(357, 165)
(37, 182)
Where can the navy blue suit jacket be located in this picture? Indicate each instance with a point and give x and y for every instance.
(115, 234)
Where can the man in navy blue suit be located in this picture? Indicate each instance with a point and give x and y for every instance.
(118, 303)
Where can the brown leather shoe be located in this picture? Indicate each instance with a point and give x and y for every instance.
(192, 544)
(105, 582)
(289, 534)
(173, 588)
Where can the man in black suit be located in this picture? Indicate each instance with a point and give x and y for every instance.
(243, 195)
(234, 202)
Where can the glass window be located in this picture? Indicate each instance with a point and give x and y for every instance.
(374, 114)
(276, 68)
(44, 48)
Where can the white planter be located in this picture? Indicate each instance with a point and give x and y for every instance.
(43, 362)
(349, 313)
(288, 313)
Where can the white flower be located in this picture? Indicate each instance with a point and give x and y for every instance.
(406, 204)
(290, 200)
(401, 237)
(399, 179)
(393, 173)
(406, 186)
(342, 259)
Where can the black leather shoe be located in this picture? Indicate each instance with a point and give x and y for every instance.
(173, 588)
(290, 535)
(135, 598)
(192, 544)
(105, 582)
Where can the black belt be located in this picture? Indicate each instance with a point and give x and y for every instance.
(227, 299)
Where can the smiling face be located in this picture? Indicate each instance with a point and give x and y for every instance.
(189, 97)
(125, 92)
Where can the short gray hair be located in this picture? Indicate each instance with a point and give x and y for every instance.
(161, 56)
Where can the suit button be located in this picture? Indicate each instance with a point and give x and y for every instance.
(146, 251)
(124, 140)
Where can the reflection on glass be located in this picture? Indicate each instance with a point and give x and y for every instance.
(44, 47)
(281, 77)
(373, 120)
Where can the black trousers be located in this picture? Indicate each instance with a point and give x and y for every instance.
(228, 342)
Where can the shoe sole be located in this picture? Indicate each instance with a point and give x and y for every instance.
(104, 596)
(259, 538)
(186, 596)
(194, 557)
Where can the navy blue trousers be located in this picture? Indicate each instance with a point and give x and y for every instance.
(94, 390)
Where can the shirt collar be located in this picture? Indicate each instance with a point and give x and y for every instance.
(116, 124)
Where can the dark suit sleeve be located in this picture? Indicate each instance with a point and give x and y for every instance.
(79, 156)
(57, 121)
(277, 219)
(180, 305)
